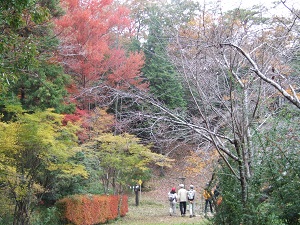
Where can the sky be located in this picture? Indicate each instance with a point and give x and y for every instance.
(231, 4)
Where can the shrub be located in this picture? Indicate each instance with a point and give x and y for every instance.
(92, 209)
(45, 216)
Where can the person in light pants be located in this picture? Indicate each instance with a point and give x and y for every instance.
(192, 205)
(172, 194)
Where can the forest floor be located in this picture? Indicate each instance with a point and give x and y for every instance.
(153, 205)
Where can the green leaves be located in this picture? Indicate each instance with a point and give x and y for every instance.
(122, 159)
(31, 148)
(29, 70)
(160, 72)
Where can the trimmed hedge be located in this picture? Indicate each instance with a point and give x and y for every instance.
(92, 209)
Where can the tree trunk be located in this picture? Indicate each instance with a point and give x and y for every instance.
(120, 202)
(243, 179)
(21, 215)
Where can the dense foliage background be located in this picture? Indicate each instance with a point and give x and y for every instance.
(93, 93)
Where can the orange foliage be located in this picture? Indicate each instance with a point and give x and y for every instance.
(126, 69)
(196, 161)
(290, 91)
(91, 35)
(100, 121)
(95, 209)
(219, 200)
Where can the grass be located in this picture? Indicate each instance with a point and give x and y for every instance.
(151, 211)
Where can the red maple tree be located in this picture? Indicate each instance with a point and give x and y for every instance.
(92, 33)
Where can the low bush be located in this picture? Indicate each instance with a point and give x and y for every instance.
(92, 209)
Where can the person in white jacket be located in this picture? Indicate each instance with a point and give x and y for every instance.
(182, 199)
(172, 199)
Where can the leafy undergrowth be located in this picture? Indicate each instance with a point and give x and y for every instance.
(152, 211)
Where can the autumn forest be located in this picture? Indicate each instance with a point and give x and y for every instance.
(94, 94)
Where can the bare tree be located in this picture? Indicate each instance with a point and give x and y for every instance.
(237, 67)
(237, 70)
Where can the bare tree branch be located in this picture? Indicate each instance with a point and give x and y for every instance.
(292, 98)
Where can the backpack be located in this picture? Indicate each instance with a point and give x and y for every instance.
(191, 195)
(206, 194)
(171, 197)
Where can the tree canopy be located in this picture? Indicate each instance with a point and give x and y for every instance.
(30, 74)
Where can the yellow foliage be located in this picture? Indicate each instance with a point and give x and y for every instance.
(196, 161)
(68, 168)
(21, 191)
(38, 188)
(33, 140)
(129, 144)
(6, 204)
(8, 141)
(194, 164)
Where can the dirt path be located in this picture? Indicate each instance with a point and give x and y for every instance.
(154, 205)
(154, 210)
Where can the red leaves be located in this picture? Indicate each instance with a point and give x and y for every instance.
(75, 117)
(125, 70)
(91, 35)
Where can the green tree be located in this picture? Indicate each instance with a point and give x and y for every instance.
(29, 69)
(121, 160)
(159, 71)
(32, 146)
(151, 23)
(277, 168)
(273, 190)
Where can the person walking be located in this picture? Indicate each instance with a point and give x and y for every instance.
(172, 199)
(191, 194)
(182, 198)
(208, 198)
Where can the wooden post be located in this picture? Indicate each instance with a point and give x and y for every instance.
(136, 191)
